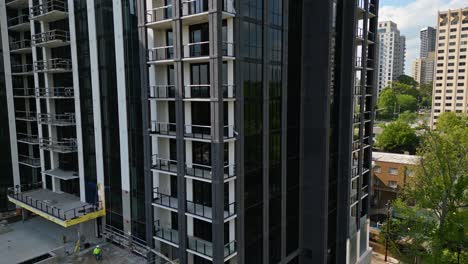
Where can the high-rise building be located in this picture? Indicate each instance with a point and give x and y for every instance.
(427, 37)
(392, 47)
(204, 131)
(450, 89)
(422, 69)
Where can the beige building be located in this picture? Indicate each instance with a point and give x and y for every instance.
(422, 70)
(450, 90)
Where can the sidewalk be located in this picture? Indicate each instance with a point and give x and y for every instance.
(378, 258)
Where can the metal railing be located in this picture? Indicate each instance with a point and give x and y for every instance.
(18, 193)
(164, 199)
(227, 49)
(161, 53)
(57, 64)
(55, 92)
(24, 92)
(67, 119)
(32, 161)
(65, 145)
(51, 35)
(200, 246)
(197, 49)
(203, 210)
(197, 132)
(162, 128)
(22, 68)
(20, 44)
(230, 248)
(192, 7)
(29, 138)
(159, 14)
(47, 7)
(164, 164)
(205, 171)
(167, 234)
(197, 91)
(162, 92)
(21, 19)
(229, 210)
(26, 115)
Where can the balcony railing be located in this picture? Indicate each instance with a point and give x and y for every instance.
(30, 161)
(164, 199)
(57, 64)
(55, 92)
(205, 171)
(20, 44)
(203, 91)
(24, 92)
(26, 116)
(21, 193)
(22, 69)
(164, 164)
(204, 132)
(159, 14)
(48, 6)
(161, 53)
(192, 7)
(167, 234)
(67, 119)
(162, 92)
(197, 49)
(15, 21)
(161, 128)
(206, 248)
(228, 49)
(66, 145)
(28, 138)
(53, 35)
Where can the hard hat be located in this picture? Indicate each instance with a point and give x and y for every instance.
(97, 246)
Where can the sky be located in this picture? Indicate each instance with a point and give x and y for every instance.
(411, 16)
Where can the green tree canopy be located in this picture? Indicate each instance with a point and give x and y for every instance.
(407, 103)
(408, 117)
(405, 79)
(387, 102)
(397, 137)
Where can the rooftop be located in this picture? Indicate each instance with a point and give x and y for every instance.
(396, 158)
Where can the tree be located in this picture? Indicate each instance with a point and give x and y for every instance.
(402, 88)
(436, 196)
(387, 102)
(408, 117)
(405, 79)
(425, 95)
(397, 137)
(407, 103)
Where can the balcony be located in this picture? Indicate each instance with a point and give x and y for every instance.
(49, 11)
(161, 55)
(159, 17)
(203, 92)
(62, 174)
(200, 51)
(164, 200)
(27, 139)
(26, 116)
(57, 65)
(205, 212)
(204, 172)
(51, 39)
(29, 161)
(196, 11)
(55, 93)
(24, 92)
(22, 69)
(204, 248)
(163, 129)
(21, 46)
(64, 146)
(60, 120)
(162, 92)
(164, 234)
(164, 165)
(61, 208)
(203, 133)
(19, 23)
(17, 4)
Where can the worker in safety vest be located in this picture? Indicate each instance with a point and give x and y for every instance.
(97, 252)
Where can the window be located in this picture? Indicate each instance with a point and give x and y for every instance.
(392, 184)
(377, 169)
(409, 172)
(393, 171)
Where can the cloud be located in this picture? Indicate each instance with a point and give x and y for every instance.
(413, 16)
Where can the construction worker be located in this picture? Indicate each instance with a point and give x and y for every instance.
(97, 252)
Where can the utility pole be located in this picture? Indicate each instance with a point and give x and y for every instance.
(388, 230)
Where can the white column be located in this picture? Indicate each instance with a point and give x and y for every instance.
(76, 86)
(9, 94)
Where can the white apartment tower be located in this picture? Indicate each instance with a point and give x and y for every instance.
(450, 88)
(392, 48)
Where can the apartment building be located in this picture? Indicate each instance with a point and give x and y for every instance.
(422, 69)
(202, 131)
(392, 46)
(427, 37)
(450, 89)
